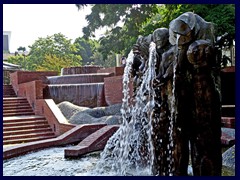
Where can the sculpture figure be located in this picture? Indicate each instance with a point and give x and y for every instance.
(205, 139)
(184, 30)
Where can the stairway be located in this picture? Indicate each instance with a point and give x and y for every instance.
(20, 124)
(8, 91)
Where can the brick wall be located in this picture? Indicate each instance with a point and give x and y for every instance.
(32, 91)
(117, 71)
(19, 77)
(80, 70)
(113, 88)
(54, 116)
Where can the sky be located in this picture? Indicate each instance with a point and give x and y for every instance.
(28, 22)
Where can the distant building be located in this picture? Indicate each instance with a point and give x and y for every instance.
(7, 67)
(6, 41)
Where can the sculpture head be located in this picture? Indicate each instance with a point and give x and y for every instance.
(144, 43)
(183, 29)
(160, 37)
(199, 52)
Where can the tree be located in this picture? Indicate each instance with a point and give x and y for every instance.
(19, 60)
(143, 19)
(57, 46)
(85, 48)
(55, 63)
(118, 39)
(222, 15)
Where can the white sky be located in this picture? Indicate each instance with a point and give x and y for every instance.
(28, 22)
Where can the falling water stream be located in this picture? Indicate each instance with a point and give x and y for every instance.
(130, 151)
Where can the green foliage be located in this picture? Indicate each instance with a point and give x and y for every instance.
(56, 63)
(118, 39)
(85, 48)
(222, 15)
(57, 46)
(143, 19)
(21, 60)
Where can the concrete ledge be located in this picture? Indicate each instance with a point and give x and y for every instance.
(56, 111)
(95, 142)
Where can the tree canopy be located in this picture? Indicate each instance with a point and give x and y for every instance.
(85, 48)
(57, 47)
(125, 22)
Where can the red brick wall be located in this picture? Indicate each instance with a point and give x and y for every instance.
(52, 113)
(117, 71)
(113, 90)
(19, 77)
(32, 91)
(80, 70)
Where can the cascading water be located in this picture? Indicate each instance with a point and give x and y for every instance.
(87, 94)
(130, 151)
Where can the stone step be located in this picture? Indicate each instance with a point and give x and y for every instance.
(18, 114)
(15, 98)
(9, 100)
(15, 104)
(5, 92)
(17, 110)
(13, 95)
(29, 135)
(7, 89)
(19, 141)
(22, 118)
(25, 127)
(20, 106)
(9, 93)
(25, 123)
(7, 85)
(27, 131)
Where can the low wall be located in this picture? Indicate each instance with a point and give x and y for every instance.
(20, 77)
(80, 70)
(54, 116)
(113, 89)
(117, 71)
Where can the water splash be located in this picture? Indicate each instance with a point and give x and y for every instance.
(130, 150)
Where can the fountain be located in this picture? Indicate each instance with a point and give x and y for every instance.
(175, 108)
